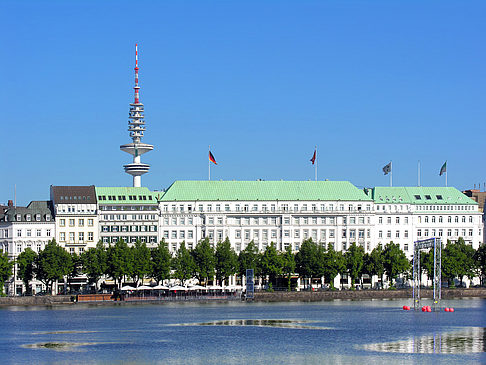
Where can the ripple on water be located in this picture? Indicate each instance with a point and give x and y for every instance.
(280, 323)
(465, 341)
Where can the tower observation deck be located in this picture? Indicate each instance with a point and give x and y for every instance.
(136, 127)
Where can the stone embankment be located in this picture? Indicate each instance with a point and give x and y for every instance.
(302, 296)
(316, 296)
(41, 300)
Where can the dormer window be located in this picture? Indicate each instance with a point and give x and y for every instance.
(48, 217)
(28, 217)
(428, 197)
(417, 197)
(38, 217)
(18, 217)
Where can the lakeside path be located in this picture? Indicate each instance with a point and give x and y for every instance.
(307, 296)
(302, 296)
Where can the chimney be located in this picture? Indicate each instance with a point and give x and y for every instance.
(10, 203)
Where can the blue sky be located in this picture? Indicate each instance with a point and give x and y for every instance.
(262, 82)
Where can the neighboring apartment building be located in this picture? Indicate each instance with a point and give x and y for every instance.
(283, 212)
(76, 216)
(408, 214)
(128, 213)
(478, 196)
(21, 227)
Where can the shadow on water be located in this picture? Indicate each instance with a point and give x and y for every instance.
(468, 340)
(280, 323)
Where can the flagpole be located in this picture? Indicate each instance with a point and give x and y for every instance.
(418, 173)
(446, 176)
(391, 174)
(209, 165)
(317, 161)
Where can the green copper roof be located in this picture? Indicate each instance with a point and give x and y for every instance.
(419, 195)
(263, 190)
(126, 195)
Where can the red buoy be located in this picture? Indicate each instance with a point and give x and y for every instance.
(451, 309)
(446, 309)
(406, 308)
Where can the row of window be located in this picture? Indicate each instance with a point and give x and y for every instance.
(35, 217)
(72, 222)
(179, 234)
(125, 217)
(440, 233)
(124, 197)
(264, 207)
(29, 232)
(82, 208)
(144, 239)
(440, 219)
(20, 247)
(129, 228)
(72, 236)
(129, 207)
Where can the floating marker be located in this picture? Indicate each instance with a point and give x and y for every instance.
(406, 307)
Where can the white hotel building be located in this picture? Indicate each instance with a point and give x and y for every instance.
(288, 212)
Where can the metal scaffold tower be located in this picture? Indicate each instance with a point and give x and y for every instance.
(436, 245)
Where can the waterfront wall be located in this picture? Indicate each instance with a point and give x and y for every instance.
(44, 300)
(308, 296)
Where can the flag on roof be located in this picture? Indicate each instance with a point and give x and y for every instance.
(211, 158)
(443, 169)
(387, 169)
(313, 159)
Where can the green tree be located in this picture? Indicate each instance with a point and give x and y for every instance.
(333, 264)
(307, 259)
(141, 264)
(204, 260)
(76, 269)
(395, 261)
(118, 263)
(271, 263)
(226, 260)
(288, 264)
(480, 259)
(458, 260)
(161, 262)
(427, 263)
(94, 263)
(26, 261)
(5, 270)
(376, 264)
(183, 264)
(248, 259)
(354, 262)
(52, 264)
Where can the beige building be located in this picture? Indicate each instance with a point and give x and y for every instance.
(76, 217)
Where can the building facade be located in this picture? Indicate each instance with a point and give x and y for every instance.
(76, 217)
(128, 213)
(282, 212)
(31, 227)
(408, 214)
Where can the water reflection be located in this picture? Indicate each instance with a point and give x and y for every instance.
(281, 323)
(59, 346)
(468, 340)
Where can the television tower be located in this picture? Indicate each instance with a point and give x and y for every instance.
(136, 127)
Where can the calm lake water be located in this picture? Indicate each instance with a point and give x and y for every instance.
(336, 332)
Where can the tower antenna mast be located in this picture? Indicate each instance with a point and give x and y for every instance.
(136, 127)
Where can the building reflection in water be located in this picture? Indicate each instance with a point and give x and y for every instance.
(467, 340)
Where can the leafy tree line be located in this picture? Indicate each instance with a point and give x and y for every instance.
(120, 262)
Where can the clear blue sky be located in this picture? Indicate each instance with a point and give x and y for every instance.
(262, 82)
